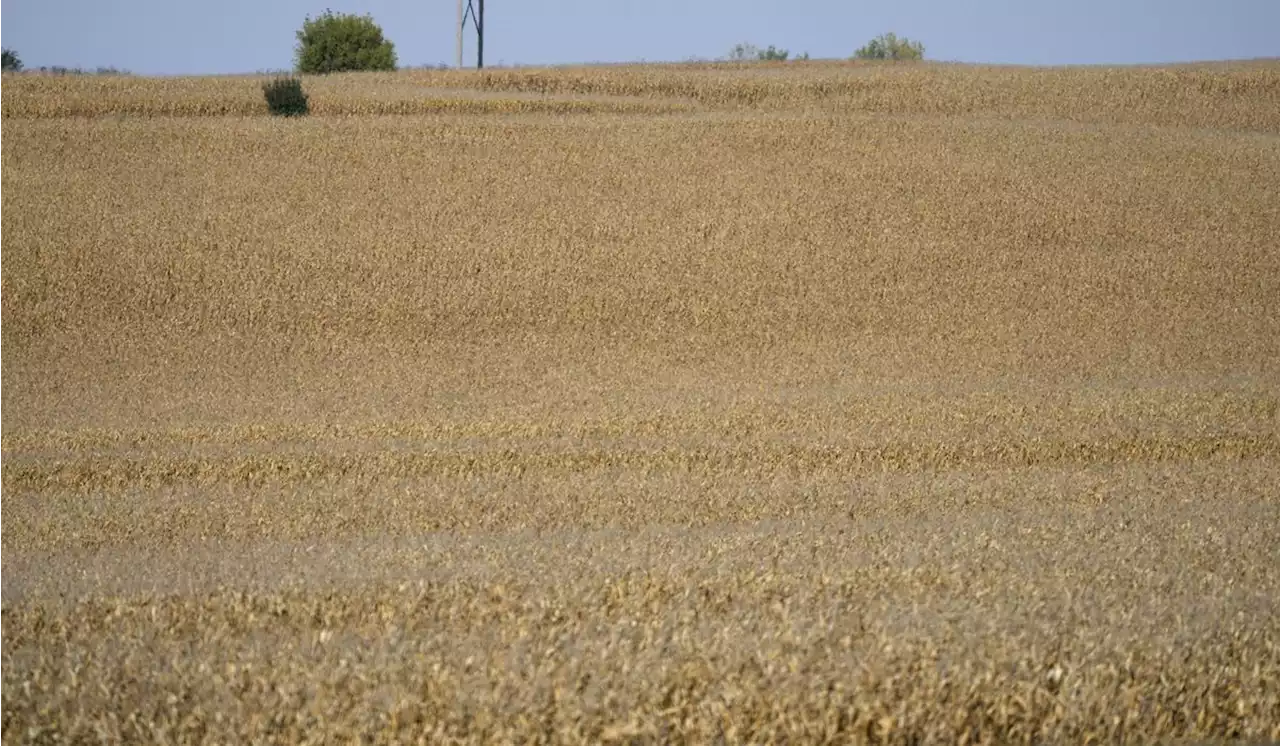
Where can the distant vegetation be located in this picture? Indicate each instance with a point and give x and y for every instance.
(60, 70)
(338, 42)
(13, 64)
(10, 62)
(745, 51)
(890, 47)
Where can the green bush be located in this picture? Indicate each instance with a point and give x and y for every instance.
(11, 63)
(336, 42)
(285, 97)
(890, 47)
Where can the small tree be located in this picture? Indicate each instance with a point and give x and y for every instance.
(890, 47)
(743, 52)
(336, 42)
(10, 62)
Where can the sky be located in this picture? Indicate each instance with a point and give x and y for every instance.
(186, 37)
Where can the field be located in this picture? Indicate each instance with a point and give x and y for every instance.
(811, 402)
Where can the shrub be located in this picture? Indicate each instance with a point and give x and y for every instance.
(10, 62)
(285, 97)
(336, 42)
(890, 47)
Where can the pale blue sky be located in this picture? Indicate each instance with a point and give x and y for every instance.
(181, 37)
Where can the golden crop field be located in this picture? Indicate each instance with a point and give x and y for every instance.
(707, 403)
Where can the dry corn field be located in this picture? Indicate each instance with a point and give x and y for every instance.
(801, 403)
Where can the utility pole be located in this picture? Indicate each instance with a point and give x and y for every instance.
(480, 37)
(474, 9)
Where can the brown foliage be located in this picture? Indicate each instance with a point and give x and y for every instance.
(822, 403)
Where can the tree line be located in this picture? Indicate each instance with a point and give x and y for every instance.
(888, 46)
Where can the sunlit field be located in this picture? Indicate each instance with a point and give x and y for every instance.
(709, 403)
